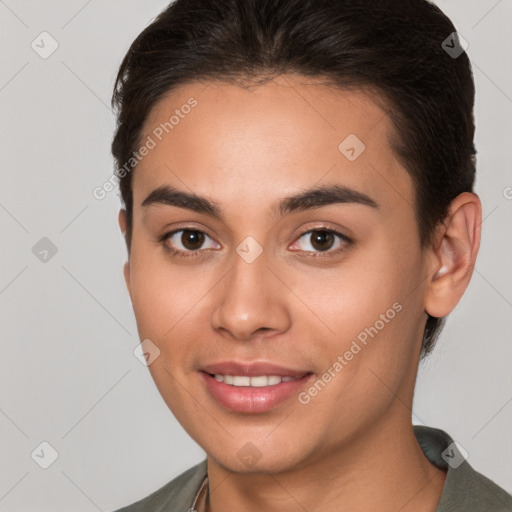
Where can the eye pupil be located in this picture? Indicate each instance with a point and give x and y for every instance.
(192, 239)
(322, 240)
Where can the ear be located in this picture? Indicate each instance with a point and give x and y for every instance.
(126, 268)
(453, 255)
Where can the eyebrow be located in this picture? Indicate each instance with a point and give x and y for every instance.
(308, 200)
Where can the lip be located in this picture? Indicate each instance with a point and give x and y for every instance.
(248, 399)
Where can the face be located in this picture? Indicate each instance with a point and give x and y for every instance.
(329, 286)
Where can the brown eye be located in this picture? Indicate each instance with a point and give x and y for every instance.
(322, 240)
(188, 242)
(192, 239)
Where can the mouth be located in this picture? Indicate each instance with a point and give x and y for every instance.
(253, 393)
(258, 381)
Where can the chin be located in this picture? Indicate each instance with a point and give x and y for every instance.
(234, 465)
(253, 458)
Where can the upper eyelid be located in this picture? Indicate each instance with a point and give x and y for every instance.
(324, 228)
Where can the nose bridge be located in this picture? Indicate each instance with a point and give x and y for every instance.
(250, 297)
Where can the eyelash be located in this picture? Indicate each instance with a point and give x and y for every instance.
(200, 253)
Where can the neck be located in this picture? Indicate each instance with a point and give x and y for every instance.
(383, 469)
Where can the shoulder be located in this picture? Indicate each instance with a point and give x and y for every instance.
(178, 494)
(465, 488)
(477, 492)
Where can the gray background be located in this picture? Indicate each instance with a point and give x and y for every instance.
(68, 375)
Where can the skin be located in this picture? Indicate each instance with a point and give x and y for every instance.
(352, 447)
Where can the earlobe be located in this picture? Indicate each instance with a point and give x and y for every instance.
(126, 268)
(454, 255)
(126, 272)
(121, 218)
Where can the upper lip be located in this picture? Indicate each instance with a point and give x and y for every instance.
(252, 369)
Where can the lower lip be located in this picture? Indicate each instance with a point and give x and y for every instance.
(253, 399)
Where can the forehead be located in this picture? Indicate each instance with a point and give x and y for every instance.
(267, 141)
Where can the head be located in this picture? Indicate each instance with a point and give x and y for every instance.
(250, 113)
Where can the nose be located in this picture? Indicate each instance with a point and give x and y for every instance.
(251, 300)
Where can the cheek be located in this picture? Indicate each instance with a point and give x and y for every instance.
(161, 294)
(165, 304)
(371, 343)
(169, 307)
(353, 296)
(368, 311)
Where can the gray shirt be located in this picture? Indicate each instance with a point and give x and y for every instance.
(464, 490)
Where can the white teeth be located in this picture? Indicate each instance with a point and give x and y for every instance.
(257, 382)
(241, 381)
